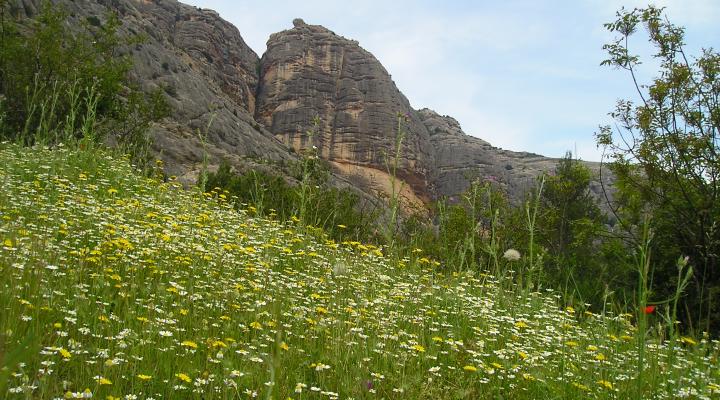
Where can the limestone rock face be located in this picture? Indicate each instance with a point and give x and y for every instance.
(208, 73)
(308, 72)
(229, 104)
(210, 77)
(461, 159)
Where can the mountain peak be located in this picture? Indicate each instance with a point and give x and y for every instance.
(437, 124)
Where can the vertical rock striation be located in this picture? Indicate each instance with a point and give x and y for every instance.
(229, 104)
(308, 72)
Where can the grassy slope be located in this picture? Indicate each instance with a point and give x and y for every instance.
(119, 285)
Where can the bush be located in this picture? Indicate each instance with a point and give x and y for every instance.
(338, 212)
(665, 153)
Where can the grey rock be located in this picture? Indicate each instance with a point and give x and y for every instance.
(207, 71)
(461, 159)
(229, 104)
(307, 72)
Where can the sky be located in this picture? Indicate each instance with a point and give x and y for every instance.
(524, 75)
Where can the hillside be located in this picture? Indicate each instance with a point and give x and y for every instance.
(115, 285)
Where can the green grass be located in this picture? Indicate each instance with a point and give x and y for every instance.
(122, 286)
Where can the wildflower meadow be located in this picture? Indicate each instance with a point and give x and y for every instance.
(114, 285)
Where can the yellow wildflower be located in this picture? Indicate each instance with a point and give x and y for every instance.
(104, 381)
(688, 340)
(581, 387)
(606, 384)
(64, 353)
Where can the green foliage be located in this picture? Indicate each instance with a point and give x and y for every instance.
(571, 215)
(559, 231)
(580, 256)
(470, 234)
(665, 155)
(66, 85)
(131, 121)
(338, 212)
(37, 70)
(262, 191)
(469, 231)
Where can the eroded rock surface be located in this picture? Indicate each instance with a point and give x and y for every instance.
(307, 72)
(461, 159)
(229, 104)
(208, 73)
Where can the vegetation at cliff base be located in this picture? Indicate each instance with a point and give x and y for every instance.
(665, 153)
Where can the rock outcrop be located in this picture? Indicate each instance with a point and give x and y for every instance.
(229, 104)
(308, 72)
(208, 73)
(460, 159)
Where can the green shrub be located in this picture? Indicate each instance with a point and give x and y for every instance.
(340, 213)
(665, 154)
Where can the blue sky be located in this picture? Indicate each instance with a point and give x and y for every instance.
(522, 74)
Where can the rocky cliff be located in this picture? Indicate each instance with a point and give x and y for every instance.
(307, 72)
(460, 159)
(235, 106)
(208, 73)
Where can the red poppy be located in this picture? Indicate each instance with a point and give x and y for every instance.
(649, 309)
